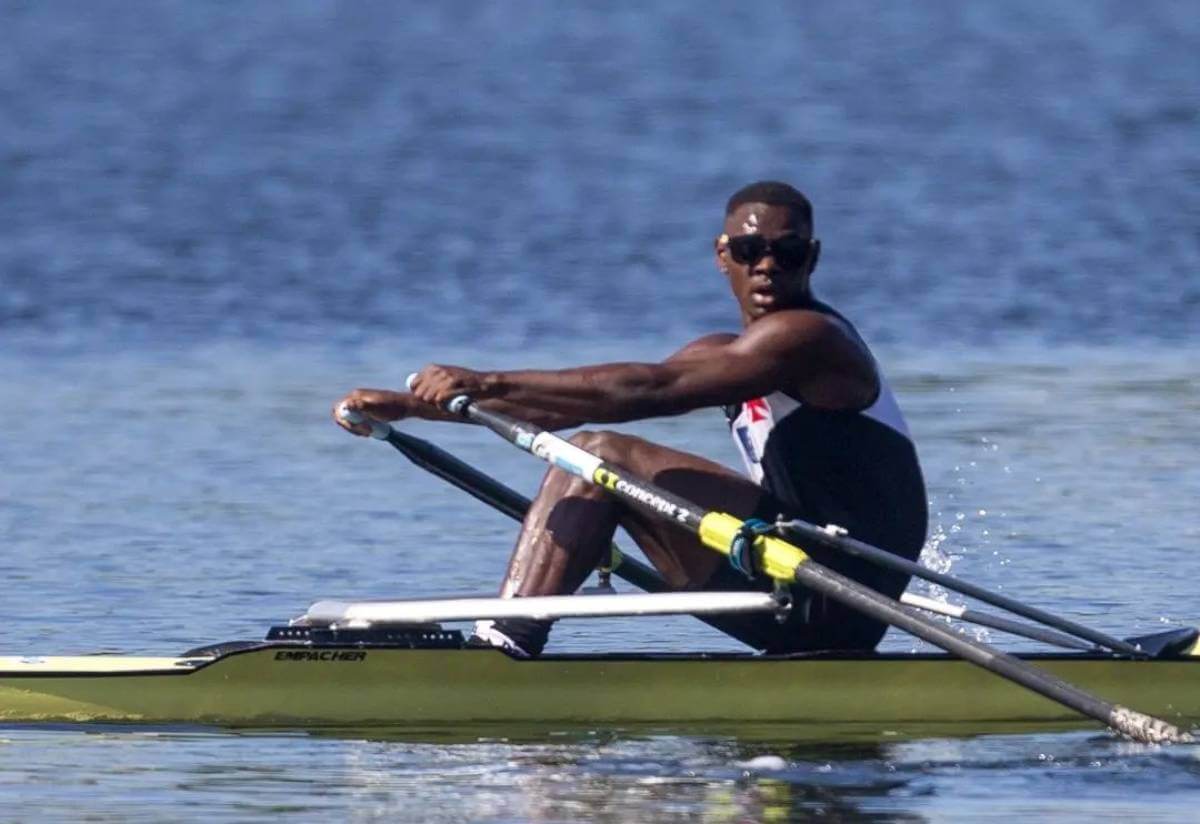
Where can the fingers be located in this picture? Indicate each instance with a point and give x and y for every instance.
(354, 403)
(438, 385)
(435, 385)
(376, 404)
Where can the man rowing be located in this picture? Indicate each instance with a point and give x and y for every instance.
(812, 416)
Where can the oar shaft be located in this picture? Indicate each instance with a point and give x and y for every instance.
(1126, 721)
(485, 488)
(851, 546)
(786, 562)
(441, 463)
(458, 473)
(1047, 636)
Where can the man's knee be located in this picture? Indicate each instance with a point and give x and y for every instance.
(604, 444)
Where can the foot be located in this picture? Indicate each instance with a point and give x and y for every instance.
(486, 634)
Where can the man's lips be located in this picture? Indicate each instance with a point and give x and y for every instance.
(764, 295)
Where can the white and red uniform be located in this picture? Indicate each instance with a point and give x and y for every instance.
(856, 469)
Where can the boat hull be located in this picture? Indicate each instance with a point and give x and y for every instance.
(285, 686)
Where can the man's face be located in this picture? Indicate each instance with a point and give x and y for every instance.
(764, 253)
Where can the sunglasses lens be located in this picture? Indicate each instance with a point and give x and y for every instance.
(747, 248)
(790, 252)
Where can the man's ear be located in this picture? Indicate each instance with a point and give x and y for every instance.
(814, 254)
(721, 247)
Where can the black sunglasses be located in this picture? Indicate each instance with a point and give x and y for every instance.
(790, 251)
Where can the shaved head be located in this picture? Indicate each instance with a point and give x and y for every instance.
(774, 193)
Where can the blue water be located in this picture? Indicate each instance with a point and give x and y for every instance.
(219, 217)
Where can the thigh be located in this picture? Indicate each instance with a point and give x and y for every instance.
(816, 621)
(677, 553)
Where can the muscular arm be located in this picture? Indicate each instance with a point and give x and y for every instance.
(804, 353)
(391, 405)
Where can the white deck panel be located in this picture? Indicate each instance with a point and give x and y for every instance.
(98, 664)
(367, 613)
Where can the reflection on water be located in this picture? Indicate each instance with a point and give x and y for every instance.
(600, 777)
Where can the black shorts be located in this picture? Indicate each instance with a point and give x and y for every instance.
(815, 621)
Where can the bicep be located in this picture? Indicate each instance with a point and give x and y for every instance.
(783, 354)
(703, 346)
(729, 374)
(720, 374)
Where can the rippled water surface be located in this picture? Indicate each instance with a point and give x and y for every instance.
(218, 218)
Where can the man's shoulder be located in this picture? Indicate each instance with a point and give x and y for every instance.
(704, 345)
(714, 339)
(800, 328)
(817, 347)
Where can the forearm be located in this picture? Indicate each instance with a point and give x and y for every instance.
(708, 372)
(608, 393)
(394, 406)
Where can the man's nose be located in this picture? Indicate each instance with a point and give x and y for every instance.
(766, 266)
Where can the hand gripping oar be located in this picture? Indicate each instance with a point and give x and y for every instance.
(485, 488)
(788, 563)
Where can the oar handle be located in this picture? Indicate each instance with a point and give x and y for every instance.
(380, 430)
(457, 405)
(514, 431)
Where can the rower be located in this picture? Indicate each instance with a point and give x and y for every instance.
(816, 424)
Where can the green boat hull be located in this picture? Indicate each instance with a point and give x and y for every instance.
(280, 685)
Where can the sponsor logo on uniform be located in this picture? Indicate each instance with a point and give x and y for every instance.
(743, 436)
(759, 410)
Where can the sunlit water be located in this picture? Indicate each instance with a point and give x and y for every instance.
(218, 218)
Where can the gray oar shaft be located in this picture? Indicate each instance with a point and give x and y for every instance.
(1136, 725)
(831, 537)
(664, 505)
(1047, 636)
